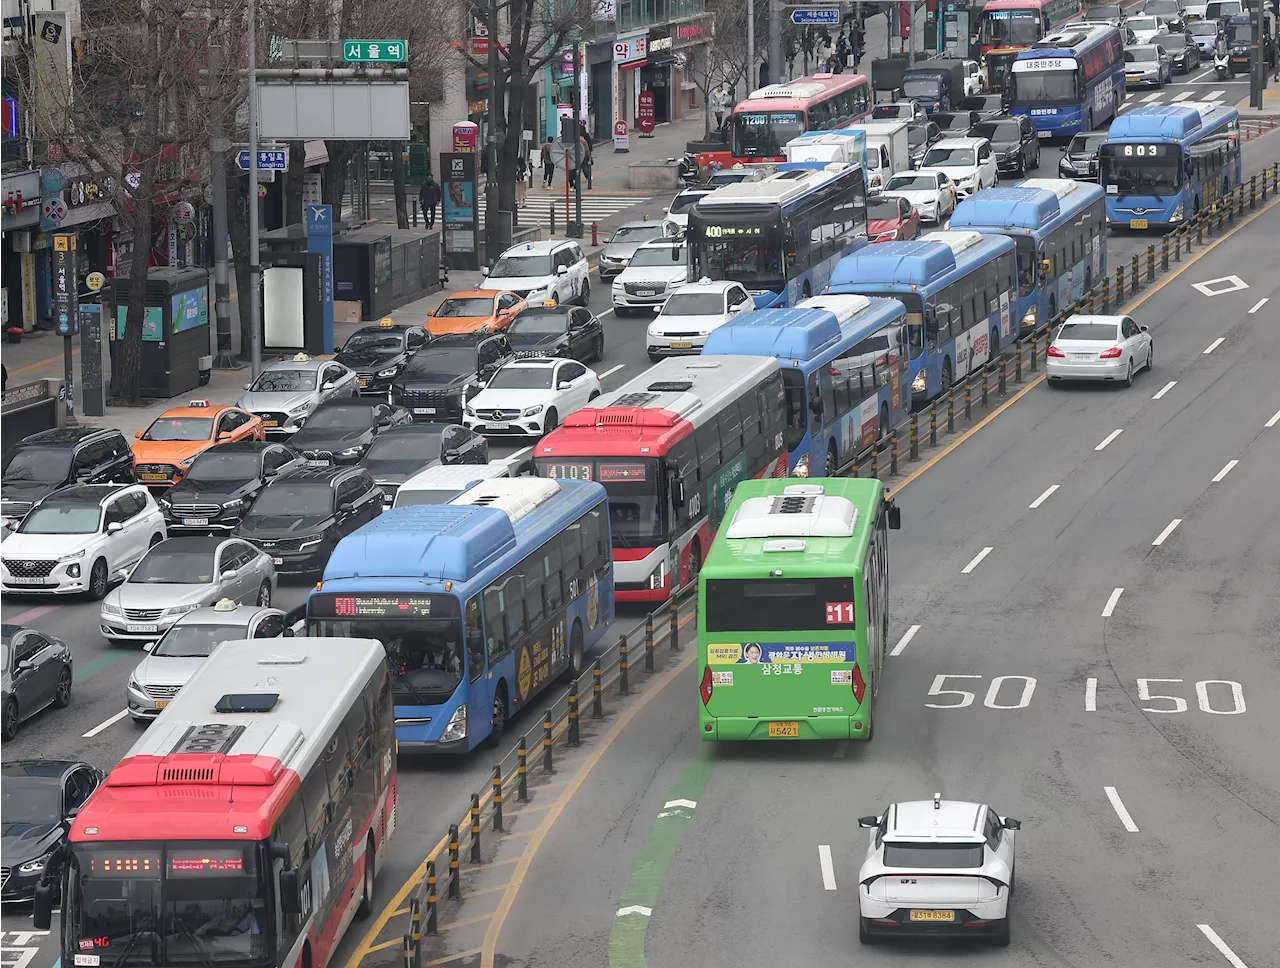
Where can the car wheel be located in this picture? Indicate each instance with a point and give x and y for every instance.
(9, 722)
(654, 357)
(1128, 376)
(264, 595)
(594, 394)
(550, 423)
(584, 297)
(62, 695)
(1151, 354)
(1035, 158)
(597, 355)
(1053, 382)
(98, 580)
(155, 540)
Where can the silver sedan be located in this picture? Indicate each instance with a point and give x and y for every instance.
(286, 392)
(1107, 348)
(180, 575)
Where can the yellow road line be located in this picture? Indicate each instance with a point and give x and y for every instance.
(463, 922)
(486, 890)
(458, 957)
(383, 945)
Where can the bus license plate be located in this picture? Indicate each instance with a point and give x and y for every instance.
(682, 346)
(195, 522)
(141, 629)
(791, 729)
(161, 703)
(917, 915)
(1137, 223)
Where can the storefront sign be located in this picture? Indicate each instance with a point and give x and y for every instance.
(659, 39)
(466, 136)
(645, 112)
(621, 136)
(691, 32)
(631, 51)
(90, 191)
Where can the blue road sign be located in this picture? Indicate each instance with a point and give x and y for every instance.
(816, 17)
(268, 160)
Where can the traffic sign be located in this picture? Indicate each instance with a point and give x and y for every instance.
(55, 209)
(816, 16)
(270, 159)
(375, 51)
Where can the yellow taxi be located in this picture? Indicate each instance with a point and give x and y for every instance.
(474, 311)
(165, 450)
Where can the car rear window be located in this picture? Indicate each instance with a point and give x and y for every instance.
(1088, 331)
(932, 856)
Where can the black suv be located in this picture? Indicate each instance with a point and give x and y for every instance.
(222, 482)
(1013, 142)
(439, 379)
(569, 331)
(379, 353)
(298, 518)
(53, 459)
(340, 431)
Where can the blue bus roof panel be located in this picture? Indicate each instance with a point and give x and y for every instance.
(915, 263)
(795, 334)
(1019, 208)
(1172, 121)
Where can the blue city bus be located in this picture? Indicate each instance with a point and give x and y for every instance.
(1051, 220)
(782, 235)
(1070, 82)
(958, 289)
(844, 370)
(481, 602)
(1161, 164)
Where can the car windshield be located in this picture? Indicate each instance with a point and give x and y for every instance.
(1136, 54)
(217, 465)
(538, 322)
(1085, 143)
(932, 856)
(1162, 8)
(658, 255)
(951, 122)
(694, 304)
(30, 802)
(1087, 331)
(1172, 41)
(442, 365)
(997, 132)
(1203, 28)
(294, 500)
(1104, 11)
(61, 520)
(163, 566)
(521, 264)
(341, 418)
(179, 428)
(418, 448)
(879, 207)
(36, 464)
(1138, 24)
(911, 183)
(195, 641)
(466, 306)
(949, 156)
(890, 111)
(522, 378)
(685, 201)
(637, 233)
(917, 134)
(285, 381)
(375, 344)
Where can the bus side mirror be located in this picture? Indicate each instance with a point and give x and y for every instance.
(894, 514)
(42, 906)
(290, 897)
(1046, 266)
(677, 492)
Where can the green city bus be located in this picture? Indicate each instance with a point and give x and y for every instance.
(793, 611)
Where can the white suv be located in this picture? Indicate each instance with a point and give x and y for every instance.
(538, 271)
(530, 396)
(79, 540)
(969, 162)
(691, 313)
(937, 867)
(656, 269)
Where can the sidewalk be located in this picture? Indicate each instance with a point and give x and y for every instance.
(1270, 103)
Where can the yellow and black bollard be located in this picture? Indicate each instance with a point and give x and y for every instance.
(547, 723)
(648, 642)
(1151, 263)
(624, 685)
(572, 737)
(497, 797)
(597, 696)
(915, 436)
(522, 770)
(673, 629)
(455, 877)
(433, 923)
(893, 453)
(475, 828)
(933, 424)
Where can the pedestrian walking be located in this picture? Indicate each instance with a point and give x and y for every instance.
(522, 179)
(587, 161)
(720, 102)
(548, 164)
(428, 199)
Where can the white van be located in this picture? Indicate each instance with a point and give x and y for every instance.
(444, 482)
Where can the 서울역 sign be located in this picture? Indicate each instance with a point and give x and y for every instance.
(375, 51)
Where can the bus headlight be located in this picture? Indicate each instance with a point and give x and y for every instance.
(1177, 213)
(921, 383)
(658, 577)
(802, 467)
(1030, 318)
(456, 728)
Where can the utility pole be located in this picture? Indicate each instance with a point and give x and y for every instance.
(752, 76)
(775, 42)
(255, 269)
(225, 360)
(574, 229)
(1257, 69)
(494, 110)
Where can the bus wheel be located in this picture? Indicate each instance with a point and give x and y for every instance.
(499, 716)
(577, 659)
(1053, 309)
(366, 897)
(884, 421)
(833, 462)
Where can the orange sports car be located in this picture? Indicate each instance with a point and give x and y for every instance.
(473, 311)
(166, 449)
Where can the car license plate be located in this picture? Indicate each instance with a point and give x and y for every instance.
(161, 703)
(317, 463)
(271, 423)
(27, 581)
(153, 477)
(1137, 223)
(1044, 134)
(682, 346)
(791, 729)
(928, 915)
(645, 292)
(363, 384)
(424, 410)
(142, 628)
(277, 561)
(195, 522)
(1082, 356)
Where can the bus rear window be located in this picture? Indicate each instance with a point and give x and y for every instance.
(780, 605)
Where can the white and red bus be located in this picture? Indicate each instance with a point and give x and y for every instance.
(245, 827)
(773, 115)
(1020, 23)
(669, 447)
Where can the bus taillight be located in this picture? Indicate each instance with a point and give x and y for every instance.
(859, 684)
(705, 687)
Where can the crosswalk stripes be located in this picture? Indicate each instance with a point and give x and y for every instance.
(596, 206)
(1181, 96)
(1165, 96)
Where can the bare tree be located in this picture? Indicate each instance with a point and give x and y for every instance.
(725, 60)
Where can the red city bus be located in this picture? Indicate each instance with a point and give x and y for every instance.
(245, 827)
(1020, 23)
(669, 447)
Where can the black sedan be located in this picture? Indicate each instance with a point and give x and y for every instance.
(399, 454)
(340, 431)
(40, 798)
(955, 124)
(1181, 47)
(568, 331)
(37, 674)
(222, 482)
(379, 353)
(1080, 160)
(1013, 142)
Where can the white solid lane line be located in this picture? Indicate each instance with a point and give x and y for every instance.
(1165, 389)
(612, 370)
(1166, 532)
(907, 636)
(103, 725)
(1214, 345)
(1121, 811)
(1043, 497)
(1232, 958)
(1217, 478)
(1106, 440)
(1110, 607)
(977, 560)
(1259, 304)
(828, 868)
(1091, 695)
(1275, 419)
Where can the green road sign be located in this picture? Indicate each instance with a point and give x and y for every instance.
(375, 51)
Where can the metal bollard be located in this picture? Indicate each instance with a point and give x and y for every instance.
(597, 697)
(1164, 254)
(1133, 275)
(1002, 384)
(551, 209)
(407, 951)
(1106, 294)
(875, 460)
(951, 409)
(1264, 186)
(933, 424)
(1151, 263)
(1177, 245)
(547, 723)
(985, 373)
(1093, 300)
(1199, 233)
(915, 436)
(522, 770)
(415, 942)
(624, 686)
(572, 732)
(856, 470)
(1119, 285)
(1035, 352)
(968, 399)
(432, 922)
(1253, 192)
(1017, 363)
(497, 797)
(893, 453)
(1240, 201)
(414, 222)
(673, 627)
(455, 882)
(648, 642)
(475, 828)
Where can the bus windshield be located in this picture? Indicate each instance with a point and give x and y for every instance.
(1146, 169)
(761, 134)
(1032, 88)
(638, 516)
(1010, 28)
(753, 258)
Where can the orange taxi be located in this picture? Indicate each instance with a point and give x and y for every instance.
(165, 450)
(474, 311)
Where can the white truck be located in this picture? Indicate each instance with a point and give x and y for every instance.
(887, 150)
(814, 149)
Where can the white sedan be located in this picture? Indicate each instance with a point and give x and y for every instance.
(691, 313)
(1108, 348)
(530, 396)
(930, 193)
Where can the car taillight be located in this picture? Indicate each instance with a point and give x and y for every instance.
(705, 687)
(1054, 351)
(859, 684)
(1111, 354)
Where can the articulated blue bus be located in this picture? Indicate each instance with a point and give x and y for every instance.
(958, 289)
(844, 369)
(780, 236)
(1051, 220)
(1071, 81)
(481, 602)
(1162, 163)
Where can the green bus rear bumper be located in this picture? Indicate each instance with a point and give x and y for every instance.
(731, 728)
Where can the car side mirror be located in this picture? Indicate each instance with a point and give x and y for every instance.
(248, 386)
(562, 271)
(148, 646)
(24, 665)
(869, 821)
(137, 434)
(230, 574)
(287, 634)
(225, 435)
(564, 385)
(677, 492)
(346, 507)
(290, 896)
(1142, 328)
(114, 527)
(1010, 824)
(484, 270)
(328, 385)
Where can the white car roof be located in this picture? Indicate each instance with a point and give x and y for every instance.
(916, 171)
(537, 248)
(949, 820)
(533, 362)
(666, 242)
(957, 143)
(707, 285)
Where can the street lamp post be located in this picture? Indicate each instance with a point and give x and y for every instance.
(255, 270)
